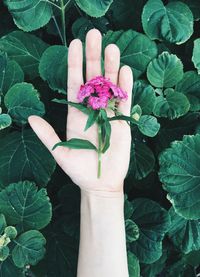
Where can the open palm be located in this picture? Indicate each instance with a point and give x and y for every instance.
(81, 165)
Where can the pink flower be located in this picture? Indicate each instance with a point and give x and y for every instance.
(85, 91)
(97, 103)
(97, 93)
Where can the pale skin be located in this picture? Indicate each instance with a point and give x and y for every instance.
(102, 250)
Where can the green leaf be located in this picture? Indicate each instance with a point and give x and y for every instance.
(196, 54)
(22, 157)
(137, 50)
(165, 71)
(107, 133)
(13, 75)
(194, 7)
(153, 222)
(144, 96)
(132, 231)
(8, 269)
(30, 16)
(2, 223)
(4, 253)
(142, 160)
(193, 258)
(133, 265)
(180, 175)
(94, 8)
(148, 125)
(59, 101)
(25, 49)
(61, 252)
(174, 105)
(190, 86)
(23, 204)
(29, 248)
(10, 73)
(80, 107)
(152, 270)
(5, 121)
(136, 112)
(82, 25)
(11, 232)
(76, 143)
(128, 208)
(185, 234)
(92, 118)
(53, 67)
(120, 11)
(22, 100)
(173, 22)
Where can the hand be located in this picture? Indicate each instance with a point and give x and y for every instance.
(81, 165)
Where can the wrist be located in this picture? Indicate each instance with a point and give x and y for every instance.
(102, 193)
(102, 203)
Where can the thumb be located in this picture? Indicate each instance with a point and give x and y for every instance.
(48, 136)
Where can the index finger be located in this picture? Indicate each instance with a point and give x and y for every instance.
(75, 69)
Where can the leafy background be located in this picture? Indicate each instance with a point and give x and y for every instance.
(39, 205)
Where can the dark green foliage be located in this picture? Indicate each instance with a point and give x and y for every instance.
(160, 41)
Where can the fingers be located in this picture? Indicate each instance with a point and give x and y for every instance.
(48, 136)
(75, 69)
(112, 62)
(126, 83)
(93, 54)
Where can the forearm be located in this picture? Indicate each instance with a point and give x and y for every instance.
(102, 250)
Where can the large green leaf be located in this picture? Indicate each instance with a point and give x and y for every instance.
(185, 234)
(142, 160)
(190, 86)
(24, 205)
(2, 223)
(133, 265)
(94, 8)
(13, 75)
(148, 125)
(10, 73)
(165, 70)
(144, 96)
(126, 14)
(173, 105)
(194, 7)
(196, 54)
(25, 49)
(22, 157)
(193, 258)
(53, 67)
(180, 174)
(152, 270)
(22, 100)
(61, 252)
(5, 121)
(30, 15)
(137, 50)
(153, 222)
(29, 248)
(173, 22)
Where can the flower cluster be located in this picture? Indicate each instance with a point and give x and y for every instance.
(97, 93)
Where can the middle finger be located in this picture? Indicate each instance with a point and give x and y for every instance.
(93, 54)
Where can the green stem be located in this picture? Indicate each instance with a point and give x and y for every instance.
(58, 29)
(99, 150)
(63, 21)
